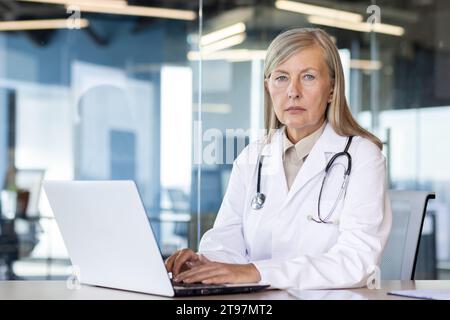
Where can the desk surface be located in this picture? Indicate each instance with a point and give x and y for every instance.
(12, 290)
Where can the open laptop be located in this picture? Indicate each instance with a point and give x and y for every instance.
(110, 240)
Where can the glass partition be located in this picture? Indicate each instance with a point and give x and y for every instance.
(90, 93)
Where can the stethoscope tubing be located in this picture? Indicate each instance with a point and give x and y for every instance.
(343, 186)
(259, 199)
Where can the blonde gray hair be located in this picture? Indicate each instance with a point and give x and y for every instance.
(338, 113)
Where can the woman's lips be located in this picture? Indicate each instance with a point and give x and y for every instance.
(295, 110)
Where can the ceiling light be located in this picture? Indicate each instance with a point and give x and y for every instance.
(358, 26)
(116, 3)
(141, 11)
(318, 11)
(225, 43)
(121, 7)
(223, 33)
(387, 29)
(39, 24)
(365, 64)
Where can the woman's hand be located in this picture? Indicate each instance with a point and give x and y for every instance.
(210, 272)
(181, 260)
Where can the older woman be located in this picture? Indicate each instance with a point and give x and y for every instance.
(307, 206)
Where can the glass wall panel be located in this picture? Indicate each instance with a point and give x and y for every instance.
(95, 95)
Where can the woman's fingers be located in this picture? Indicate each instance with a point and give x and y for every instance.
(216, 272)
(201, 273)
(198, 261)
(181, 259)
(218, 279)
(169, 261)
(192, 272)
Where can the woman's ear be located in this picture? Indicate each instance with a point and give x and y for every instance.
(331, 96)
(331, 92)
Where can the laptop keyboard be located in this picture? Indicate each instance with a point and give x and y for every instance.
(195, 285)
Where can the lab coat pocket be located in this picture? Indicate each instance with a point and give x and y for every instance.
(323, 235)
(329, 211)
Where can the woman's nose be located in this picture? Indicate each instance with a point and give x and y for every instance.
(294, 90)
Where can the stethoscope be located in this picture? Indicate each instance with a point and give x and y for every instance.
(259, 199)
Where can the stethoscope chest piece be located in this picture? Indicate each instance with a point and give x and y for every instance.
(258, 201)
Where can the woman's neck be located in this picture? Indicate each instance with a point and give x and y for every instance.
(297, 134)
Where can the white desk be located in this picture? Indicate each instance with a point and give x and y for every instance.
(16, 290)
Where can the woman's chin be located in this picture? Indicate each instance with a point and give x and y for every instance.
(295, 124)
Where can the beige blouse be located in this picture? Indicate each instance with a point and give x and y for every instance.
(295, 155)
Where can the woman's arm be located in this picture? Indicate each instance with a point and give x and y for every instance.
(225, 241)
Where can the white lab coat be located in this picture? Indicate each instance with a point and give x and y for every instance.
(288, 249)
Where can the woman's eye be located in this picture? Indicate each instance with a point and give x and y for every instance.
(281, 78)
(308, 77)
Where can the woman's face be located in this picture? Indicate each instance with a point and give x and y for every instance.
(300, 89)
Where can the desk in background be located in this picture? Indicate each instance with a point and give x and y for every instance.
(49, 290)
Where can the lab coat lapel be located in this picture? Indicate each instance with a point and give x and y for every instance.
(273, 164)
(328, 144)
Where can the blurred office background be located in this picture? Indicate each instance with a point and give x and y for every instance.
(114, 89)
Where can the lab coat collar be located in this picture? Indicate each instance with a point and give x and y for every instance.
(273, 162)
(332, 142)
(327, 144)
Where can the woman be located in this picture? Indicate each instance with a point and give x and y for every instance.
(290, 239)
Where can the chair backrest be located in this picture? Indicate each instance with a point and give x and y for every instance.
(408, 213)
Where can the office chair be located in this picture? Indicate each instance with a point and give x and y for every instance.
(408, 214)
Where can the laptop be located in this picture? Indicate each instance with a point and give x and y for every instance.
(110, 241)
